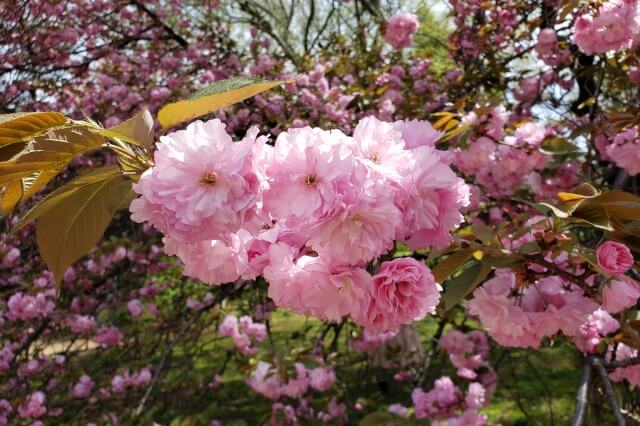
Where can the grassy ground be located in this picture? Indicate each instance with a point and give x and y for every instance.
(534, 388)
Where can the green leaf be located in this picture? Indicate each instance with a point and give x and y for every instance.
(22, 126)
(137, 130)
(450, 265)
(59, 195)
(68, 230)
(557, 145)
(462, 285)
(215, 96)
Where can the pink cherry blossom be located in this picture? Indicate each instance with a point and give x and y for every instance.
(199, 174)
(616, 27)
(400, 28)
(620, 294)
(403, 291)
(625, 150)
(614, 258)
(83, 388)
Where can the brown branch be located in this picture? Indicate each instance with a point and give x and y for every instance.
(177, 37)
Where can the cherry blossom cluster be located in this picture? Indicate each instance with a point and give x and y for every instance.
(615, 27)
(242, 330)
(308, 213)
(400, 28)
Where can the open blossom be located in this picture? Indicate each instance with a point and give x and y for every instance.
(438, 402)
(83, 388)
(620, 294)
(431, 198)
(616, 27)
(614, 258)
(34, 406)
(400, 28)
(265, 381)
(201, 185)
(403, 291)
(630, 373)
(26, 307)
(81, 323)
(322, 378)
(108, 336)
(305, 167)
(135, 308)
(309, 286)
(598, 324)
(625, 150)
(522, 319)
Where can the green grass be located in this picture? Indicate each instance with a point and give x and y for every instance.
(534, 387)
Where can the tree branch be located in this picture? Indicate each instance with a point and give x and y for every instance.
(177, 37)
(582, 398)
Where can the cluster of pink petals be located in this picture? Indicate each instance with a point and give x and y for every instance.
(108, 336)
(630, 373)
(467, 352)
(499, 163)
(242, 331)
(400, 28)
(369, 340)
(201, 186)
(266, 381)
(522, 318)
(548, 49)
(404, 291)
(83, 388)
(26, 307)
(616, 27)
(308, 213)
(446, 404)
(34, 406)
(598, 324)
(621, 293)
(120, 382)
(624, 151)
(614, 258)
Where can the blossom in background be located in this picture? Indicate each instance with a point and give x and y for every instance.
(400, 28)
(616, 27)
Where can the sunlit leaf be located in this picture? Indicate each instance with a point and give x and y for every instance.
(69, 229)
(557, 145)
(11, 197)
(215, 96)
(137, 130)
(60, 195)
(22, 126)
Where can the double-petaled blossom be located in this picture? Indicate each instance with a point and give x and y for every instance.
(614, 258)
(403, 291)
(616, 27)
(624, 151)
(400, 28)
(307, 213)
(201, 186)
